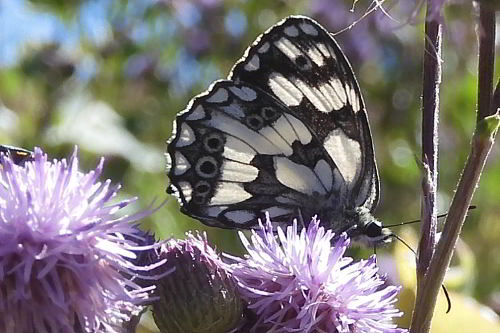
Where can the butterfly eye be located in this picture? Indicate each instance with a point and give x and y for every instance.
(206, 167)
(213, 142)
(255, 122)
(373, 230)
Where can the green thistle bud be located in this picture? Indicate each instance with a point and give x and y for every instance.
(199, 296)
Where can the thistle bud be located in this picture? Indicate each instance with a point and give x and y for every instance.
(198, 296)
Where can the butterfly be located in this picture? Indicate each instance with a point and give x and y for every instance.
(18, 155)
(286, 133)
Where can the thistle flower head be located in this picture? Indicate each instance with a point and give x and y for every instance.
(299, 282)
(62, 249)
(198, 296)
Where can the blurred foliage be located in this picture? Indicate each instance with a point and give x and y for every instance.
(110, 76)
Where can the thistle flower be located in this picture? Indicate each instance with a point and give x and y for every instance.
(199, 296)
(299, 282)
(63, 253)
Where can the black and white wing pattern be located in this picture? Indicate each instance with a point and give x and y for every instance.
(286, 133)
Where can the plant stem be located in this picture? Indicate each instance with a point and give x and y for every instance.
(486, 36)
(430, 116)
(487, 124)
(482, 142)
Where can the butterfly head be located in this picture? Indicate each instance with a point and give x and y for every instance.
(366, 229)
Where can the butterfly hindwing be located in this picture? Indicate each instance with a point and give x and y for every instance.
(235, 152)
(287, 133)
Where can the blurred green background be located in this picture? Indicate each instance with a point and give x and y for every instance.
(110, 76)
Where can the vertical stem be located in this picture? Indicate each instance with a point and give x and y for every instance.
(482, 141)
(430, 116)
(486, 36)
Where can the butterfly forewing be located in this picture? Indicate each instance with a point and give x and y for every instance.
(301, 64)
(287, 133)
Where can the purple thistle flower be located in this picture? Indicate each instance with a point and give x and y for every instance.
(63, 253)
(199, 296)
(299, 282)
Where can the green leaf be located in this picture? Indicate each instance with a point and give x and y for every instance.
(488, 126)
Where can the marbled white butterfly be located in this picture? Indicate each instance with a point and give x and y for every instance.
(286, 133)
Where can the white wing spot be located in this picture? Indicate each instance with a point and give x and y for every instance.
(316, 56)
(214, 211)
(169, 161)
(253, 64)
(283, 127)
(367, 194)
(339, 90)
(197, 113)
(327, 97)
(297, 176)
(288, 48)
(285, 90)
(277, 211)
(235, 128)
(240, 216)
(333, 95)
(353, 99)
(302, 131)
(286, 200)
(244, 93)
(345, 152)
(186, 136)
(238, 172)
(235, 110)
(264, 48)
(332, 52)
(314, 96)
(186, 190)
(181, 164)
(237, 150)
(292, 31)
(229, 193)
(324, 50)
(338, 181)
(272, 135)
(324, 172)
(309, 29)
(219, 96)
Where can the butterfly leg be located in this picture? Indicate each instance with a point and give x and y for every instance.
(300, 218)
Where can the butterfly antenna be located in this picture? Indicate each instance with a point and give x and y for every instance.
(448, 300)
(416, 221)
(404, 243)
